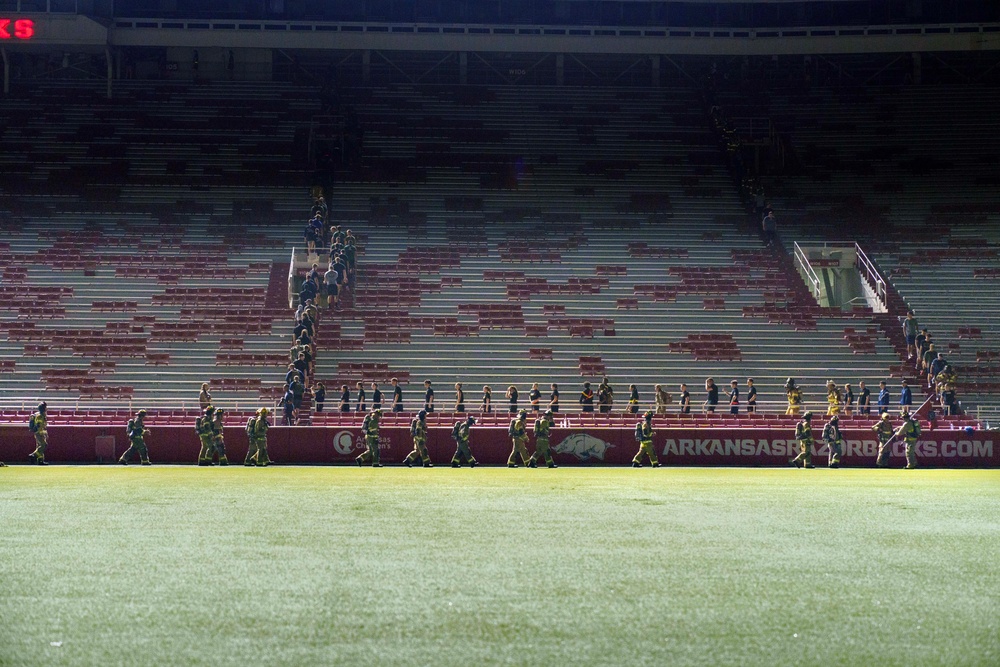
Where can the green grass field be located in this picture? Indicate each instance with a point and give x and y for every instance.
(331, 566)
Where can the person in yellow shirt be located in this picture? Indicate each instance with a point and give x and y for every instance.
(794, 395)
(833, 398)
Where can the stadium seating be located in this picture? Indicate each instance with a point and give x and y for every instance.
(588, 258)
(551, 235)
(140, 242)
(910, 173)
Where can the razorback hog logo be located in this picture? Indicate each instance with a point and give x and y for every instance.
(584, 447)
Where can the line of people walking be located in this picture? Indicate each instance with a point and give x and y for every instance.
(909, 430)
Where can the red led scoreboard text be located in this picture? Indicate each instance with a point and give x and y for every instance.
(16, 28)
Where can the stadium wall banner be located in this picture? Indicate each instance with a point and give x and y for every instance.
(578, 446)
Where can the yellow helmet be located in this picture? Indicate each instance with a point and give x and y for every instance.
(262, 412)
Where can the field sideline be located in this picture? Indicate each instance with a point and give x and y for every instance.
(575, 566)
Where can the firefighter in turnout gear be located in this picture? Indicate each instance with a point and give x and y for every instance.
(370, 429)
(38, 423)
(518, 433)
(644, 436)
(461, 434)
(136, 431)
(542, 427)
(883, 429)
(794, 395)
(909, 431)
(218, 445)
(804, 434)
(203, 427)
(418, 429)
(257, 436)
(831, 434)
(834, 398)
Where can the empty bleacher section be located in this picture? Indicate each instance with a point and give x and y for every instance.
(520, 235)
(911, 173)
(140, 242)
(510, 234)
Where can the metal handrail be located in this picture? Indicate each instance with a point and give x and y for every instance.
(803, 260)
(291, 278)
(873, 275)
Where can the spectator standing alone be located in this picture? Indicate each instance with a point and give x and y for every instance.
(362, 398)
(662, 399)
(712, 395)
(288, 403)
(883, 397)
(751, 396)
(319, 395)
(633, 400)
(205, 397)
(511, 397)
(769, 226)
(397, 396)
(734, 397)
(864, 399)
(428, 397)
(905, 395)
(535, 398)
